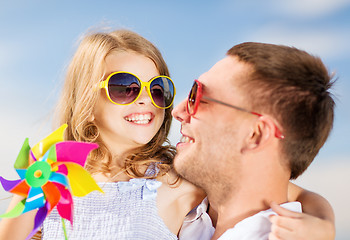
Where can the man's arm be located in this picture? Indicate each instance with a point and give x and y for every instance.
(316, 221)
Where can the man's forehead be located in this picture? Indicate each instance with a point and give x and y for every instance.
(222, 74)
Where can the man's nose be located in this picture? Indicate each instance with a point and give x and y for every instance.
(179, 112)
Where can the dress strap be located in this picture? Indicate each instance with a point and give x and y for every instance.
(152, 170)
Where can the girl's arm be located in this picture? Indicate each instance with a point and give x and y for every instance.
(19, 227)
(175, 201)
(316, 221)
(312, 203)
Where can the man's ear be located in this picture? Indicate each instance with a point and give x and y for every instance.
(262, 132)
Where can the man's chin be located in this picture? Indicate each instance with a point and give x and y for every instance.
(180, 164)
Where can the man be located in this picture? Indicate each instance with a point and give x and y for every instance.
(251, 123)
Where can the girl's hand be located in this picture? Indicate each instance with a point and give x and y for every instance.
(297, 226)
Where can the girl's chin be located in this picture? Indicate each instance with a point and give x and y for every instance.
(141, 142)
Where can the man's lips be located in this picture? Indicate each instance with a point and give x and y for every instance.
(186, 139)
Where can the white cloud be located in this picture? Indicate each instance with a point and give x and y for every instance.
(292, 9)
(326, 43)
(18, 122)
(309, 8)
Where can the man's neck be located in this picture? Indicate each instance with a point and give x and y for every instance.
(245, 202)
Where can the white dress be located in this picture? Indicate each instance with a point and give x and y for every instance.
(126, 211)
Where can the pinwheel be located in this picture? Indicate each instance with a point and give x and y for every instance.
(50, 173)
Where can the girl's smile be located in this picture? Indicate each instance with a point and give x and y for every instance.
(140, 118)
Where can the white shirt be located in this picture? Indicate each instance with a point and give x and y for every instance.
(198, 225)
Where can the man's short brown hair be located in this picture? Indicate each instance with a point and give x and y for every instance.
(292, 86)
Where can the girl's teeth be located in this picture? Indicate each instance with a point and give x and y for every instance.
(140, 118)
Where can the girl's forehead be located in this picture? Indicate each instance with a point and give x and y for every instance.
(132, 62)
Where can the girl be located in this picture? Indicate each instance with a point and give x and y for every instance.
(104, 100)
(118, 94)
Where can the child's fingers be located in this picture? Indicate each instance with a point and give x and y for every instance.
(272, 236)
(284, 212)
(283, 222)
(279, 228)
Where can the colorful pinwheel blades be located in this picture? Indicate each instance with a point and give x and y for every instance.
(50, 173)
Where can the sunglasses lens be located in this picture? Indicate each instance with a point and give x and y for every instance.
(162, 91)
(191, 102)
(123, 88)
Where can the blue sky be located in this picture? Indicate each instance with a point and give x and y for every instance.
(39, 37)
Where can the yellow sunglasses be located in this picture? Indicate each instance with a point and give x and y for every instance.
(124, 88)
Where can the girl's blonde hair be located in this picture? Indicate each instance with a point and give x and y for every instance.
(80, 94)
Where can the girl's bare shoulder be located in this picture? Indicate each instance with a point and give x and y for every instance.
(175, 199)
